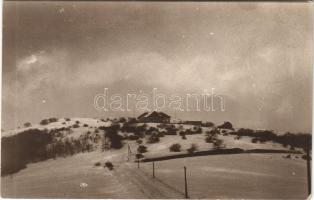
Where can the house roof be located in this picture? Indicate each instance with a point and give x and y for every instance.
(159, 114)
(142, 115)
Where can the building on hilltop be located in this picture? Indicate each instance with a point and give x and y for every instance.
(155, 117)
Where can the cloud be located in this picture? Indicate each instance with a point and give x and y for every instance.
(32, 59)
(237, 78)
(27, 63)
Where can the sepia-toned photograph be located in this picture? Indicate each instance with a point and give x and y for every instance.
(156, 100)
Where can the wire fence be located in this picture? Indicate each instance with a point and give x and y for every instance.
(150, 169)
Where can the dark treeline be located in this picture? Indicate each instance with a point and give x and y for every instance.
(300, 140)
(35, 145)
(111, 133)
(69, 146)
(25, 147)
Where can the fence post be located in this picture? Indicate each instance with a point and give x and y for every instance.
(185, 184)
(128, 153)
(153, 169)
(308, 166)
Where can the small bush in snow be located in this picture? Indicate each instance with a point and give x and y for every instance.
(27, 124)
(153, 139)
(192, 149)
(218, 144)
(210, 139)
(175, 147)
(133, 137)
(141, 149)
(254, 140)
(183, 135)
(109, 165)
(44, 122)
(75, 126)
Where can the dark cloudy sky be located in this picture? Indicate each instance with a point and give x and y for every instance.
(58, 55)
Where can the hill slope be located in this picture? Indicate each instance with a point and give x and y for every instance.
(83, 173)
